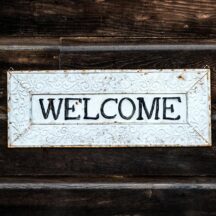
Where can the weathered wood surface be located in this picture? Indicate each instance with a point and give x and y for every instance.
(57, 42)
(157, 196)
(175, 19)
(106, 162)
(42, 35)
(109, 202)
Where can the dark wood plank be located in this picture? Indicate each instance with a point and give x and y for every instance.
(98, 40)
(98, 211)
(166, 19)
(123, 40)
(13, 41)
(106, 162)
(152, 197)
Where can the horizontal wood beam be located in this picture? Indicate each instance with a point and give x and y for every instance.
(112, 48)
(180, 18)
(107, 186)
(156, 196)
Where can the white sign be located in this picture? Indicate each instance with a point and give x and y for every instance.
(109, 108)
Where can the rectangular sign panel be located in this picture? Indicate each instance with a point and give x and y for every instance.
(109, 108)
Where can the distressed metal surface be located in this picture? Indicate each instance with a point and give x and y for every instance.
(29, 128)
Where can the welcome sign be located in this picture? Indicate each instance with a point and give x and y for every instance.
(109, 108)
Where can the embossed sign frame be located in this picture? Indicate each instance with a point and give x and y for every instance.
(26, 87)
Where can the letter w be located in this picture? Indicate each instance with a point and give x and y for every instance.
(50, 107)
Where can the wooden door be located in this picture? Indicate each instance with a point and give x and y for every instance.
(102, 34)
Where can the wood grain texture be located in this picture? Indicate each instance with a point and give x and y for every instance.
(167, 19)
(70, 197)
(123, 40)
(99, 40)
(93, 162)
(109, 202)
(120, 181)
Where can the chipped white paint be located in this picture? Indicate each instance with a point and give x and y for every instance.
(109, 108)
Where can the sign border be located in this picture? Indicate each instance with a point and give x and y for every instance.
(195, 83)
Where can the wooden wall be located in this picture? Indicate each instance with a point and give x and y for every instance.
(115, 34)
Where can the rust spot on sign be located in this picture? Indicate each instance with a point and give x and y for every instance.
(181, 77)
